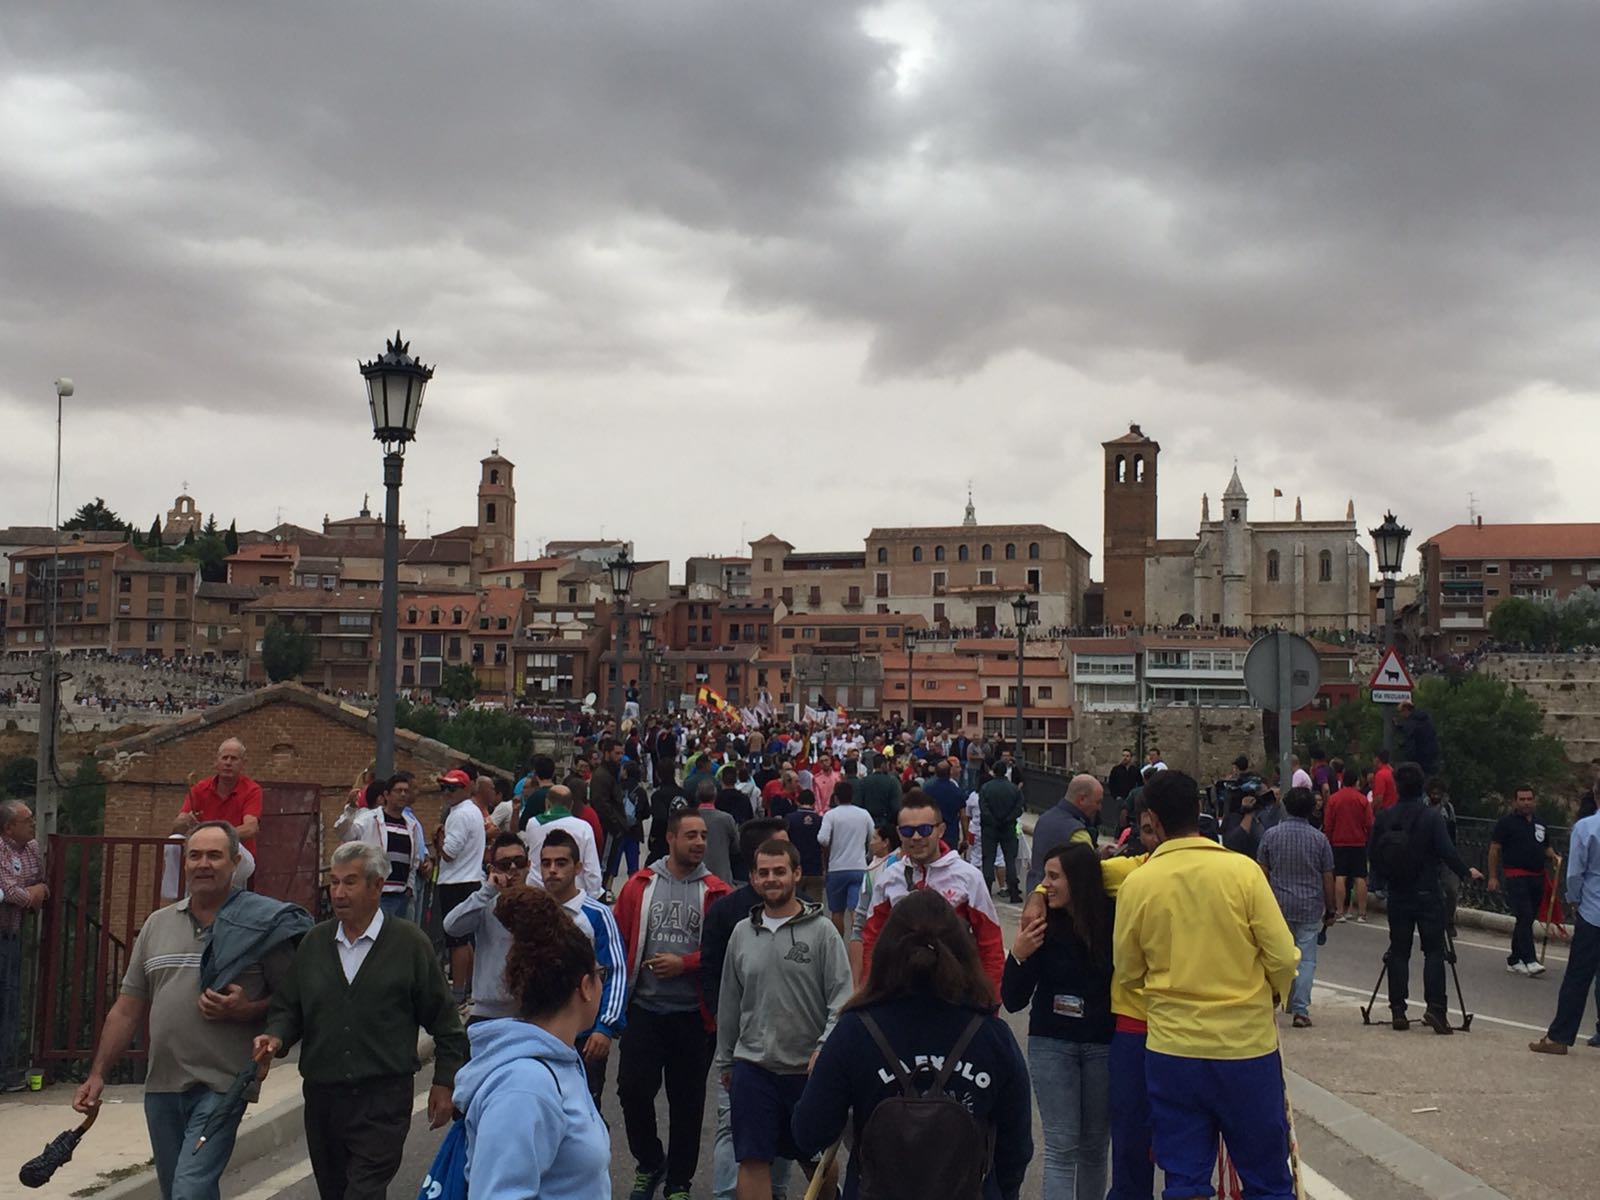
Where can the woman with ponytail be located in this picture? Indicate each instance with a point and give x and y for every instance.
(929, 1003)
(532, 1129)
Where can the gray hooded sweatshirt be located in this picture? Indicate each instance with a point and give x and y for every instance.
(781, 991)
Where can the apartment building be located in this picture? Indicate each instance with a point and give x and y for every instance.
(343, 625)
(154, 607)
(1468, 569)
(219, 620)
(84, 580)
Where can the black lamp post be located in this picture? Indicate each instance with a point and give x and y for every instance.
(395, 383)
(1019, 610)
(855, 678)
(911, 676)
(647, 643)
(621, 568)
(1389, 540)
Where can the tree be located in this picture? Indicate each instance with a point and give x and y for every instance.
(18, 778)
(188, 537)
(83, 802)
(135, 536)
(1522, 621)
(211, 529)
(1491, 738)
(286, 652)
(230, 540)
(94, 515)
(153, 538)
(458, 683)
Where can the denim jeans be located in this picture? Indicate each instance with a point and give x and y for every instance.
(175, 1121)
(396, 904)
(1305, 936)
(1072, 1081)
(724, 1170)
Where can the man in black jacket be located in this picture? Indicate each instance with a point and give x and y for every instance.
(1409, 843)
(1124, 777)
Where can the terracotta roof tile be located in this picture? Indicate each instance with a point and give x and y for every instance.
(1518, 541)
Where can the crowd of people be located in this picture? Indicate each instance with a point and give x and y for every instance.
(796, 928)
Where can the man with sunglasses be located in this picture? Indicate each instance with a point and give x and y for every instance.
(558, 869)
(474, 917)
(927, 862)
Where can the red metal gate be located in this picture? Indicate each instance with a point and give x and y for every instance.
(289, 846)
(101, 890)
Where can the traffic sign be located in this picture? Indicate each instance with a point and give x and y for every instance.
(1284, 662)
(1391, 683)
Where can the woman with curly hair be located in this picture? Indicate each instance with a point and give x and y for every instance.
(533, 1132)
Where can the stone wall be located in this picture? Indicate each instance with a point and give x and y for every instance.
(1202, 742)
(1566, 688)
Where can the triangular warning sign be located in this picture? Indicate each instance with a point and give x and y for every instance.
(1391, 675)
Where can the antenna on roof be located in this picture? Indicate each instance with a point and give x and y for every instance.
(1472, 507)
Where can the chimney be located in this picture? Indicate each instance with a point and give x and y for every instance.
(1480, 522)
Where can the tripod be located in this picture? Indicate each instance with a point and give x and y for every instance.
(1449, 957)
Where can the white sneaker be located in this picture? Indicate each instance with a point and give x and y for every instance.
(1517, 968)
(1361, 920)
(1534, 968)
(1343, 917)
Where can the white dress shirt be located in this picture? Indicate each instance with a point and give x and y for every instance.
(353, 954)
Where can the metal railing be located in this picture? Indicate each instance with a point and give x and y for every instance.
(1473, 835)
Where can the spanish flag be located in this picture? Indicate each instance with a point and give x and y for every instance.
(706, 698)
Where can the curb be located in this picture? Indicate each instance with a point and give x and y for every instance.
(1488, 922)
(1403, 1158)
(259, 1135)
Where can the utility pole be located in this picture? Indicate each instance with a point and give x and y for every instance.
(47, 796)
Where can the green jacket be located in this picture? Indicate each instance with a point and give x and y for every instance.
(367, 1028)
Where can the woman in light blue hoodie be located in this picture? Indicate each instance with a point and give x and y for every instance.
(532, 1129)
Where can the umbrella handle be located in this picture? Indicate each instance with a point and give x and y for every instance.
(88, 1121)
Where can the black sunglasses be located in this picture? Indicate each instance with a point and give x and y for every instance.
(917, 830)
(511, 864)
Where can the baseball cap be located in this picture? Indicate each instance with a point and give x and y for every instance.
(455, 779)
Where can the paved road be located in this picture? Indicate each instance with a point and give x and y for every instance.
(1337, 1173)
(1350, 962)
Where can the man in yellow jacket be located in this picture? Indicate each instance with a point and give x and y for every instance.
(1199, 932)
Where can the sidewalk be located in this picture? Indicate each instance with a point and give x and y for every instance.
(117, 1148)
(1521, 1122)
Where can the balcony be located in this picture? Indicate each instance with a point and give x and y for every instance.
(1460, 621)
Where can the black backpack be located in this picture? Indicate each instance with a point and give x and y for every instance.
(923, 1143)
(1397, 852)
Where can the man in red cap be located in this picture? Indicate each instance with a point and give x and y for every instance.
(460, 842)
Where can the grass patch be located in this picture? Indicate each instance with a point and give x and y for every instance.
(107, 1178)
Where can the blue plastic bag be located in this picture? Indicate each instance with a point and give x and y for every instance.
(447, 1177)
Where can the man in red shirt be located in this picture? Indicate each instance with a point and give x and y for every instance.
(230, 795)
(1347, 820)
(1384, 794)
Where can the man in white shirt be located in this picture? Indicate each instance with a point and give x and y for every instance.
(1298, 777)
(557, 814)
(846, 831)
(461, 845)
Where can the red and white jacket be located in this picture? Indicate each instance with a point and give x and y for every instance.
(960, 883)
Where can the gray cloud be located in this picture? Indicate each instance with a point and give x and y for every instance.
(775, 234)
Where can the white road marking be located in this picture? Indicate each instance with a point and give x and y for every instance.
(1383, 1005)
(1319, 1188)
(289, 1176)
(1550, 957)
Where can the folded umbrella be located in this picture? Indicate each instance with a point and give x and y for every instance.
(233, 1101)
(36, 1172)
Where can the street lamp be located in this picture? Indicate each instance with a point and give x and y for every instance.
(1389, 540)
(855, 677)
(395, 384)
(1019, 610)
(911, 675)
(621, 568)
(647, 622)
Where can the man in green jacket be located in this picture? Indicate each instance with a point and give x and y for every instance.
(359, 989)
(879, 793)
(1000, 808)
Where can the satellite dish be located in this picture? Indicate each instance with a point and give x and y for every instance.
(588, 701)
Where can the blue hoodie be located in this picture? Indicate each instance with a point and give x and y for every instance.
(543, 1138)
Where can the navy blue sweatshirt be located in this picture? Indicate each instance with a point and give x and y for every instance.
(1071, 994)
(851, 1077)
(722, 918)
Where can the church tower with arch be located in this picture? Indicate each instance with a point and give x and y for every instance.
(1130, 523)
(495, 542)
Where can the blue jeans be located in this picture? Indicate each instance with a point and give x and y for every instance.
(1133, 1171)
(1072, 1081)
(724, 1170)
(396, 904)
(175, 1120)
(1305, 937)
(1192, 1100)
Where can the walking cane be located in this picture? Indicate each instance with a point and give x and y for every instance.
(817, 1176)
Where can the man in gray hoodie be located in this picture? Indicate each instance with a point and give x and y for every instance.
(474, 917)
(784, 981)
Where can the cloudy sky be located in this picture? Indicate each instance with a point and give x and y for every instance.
(713, 269)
